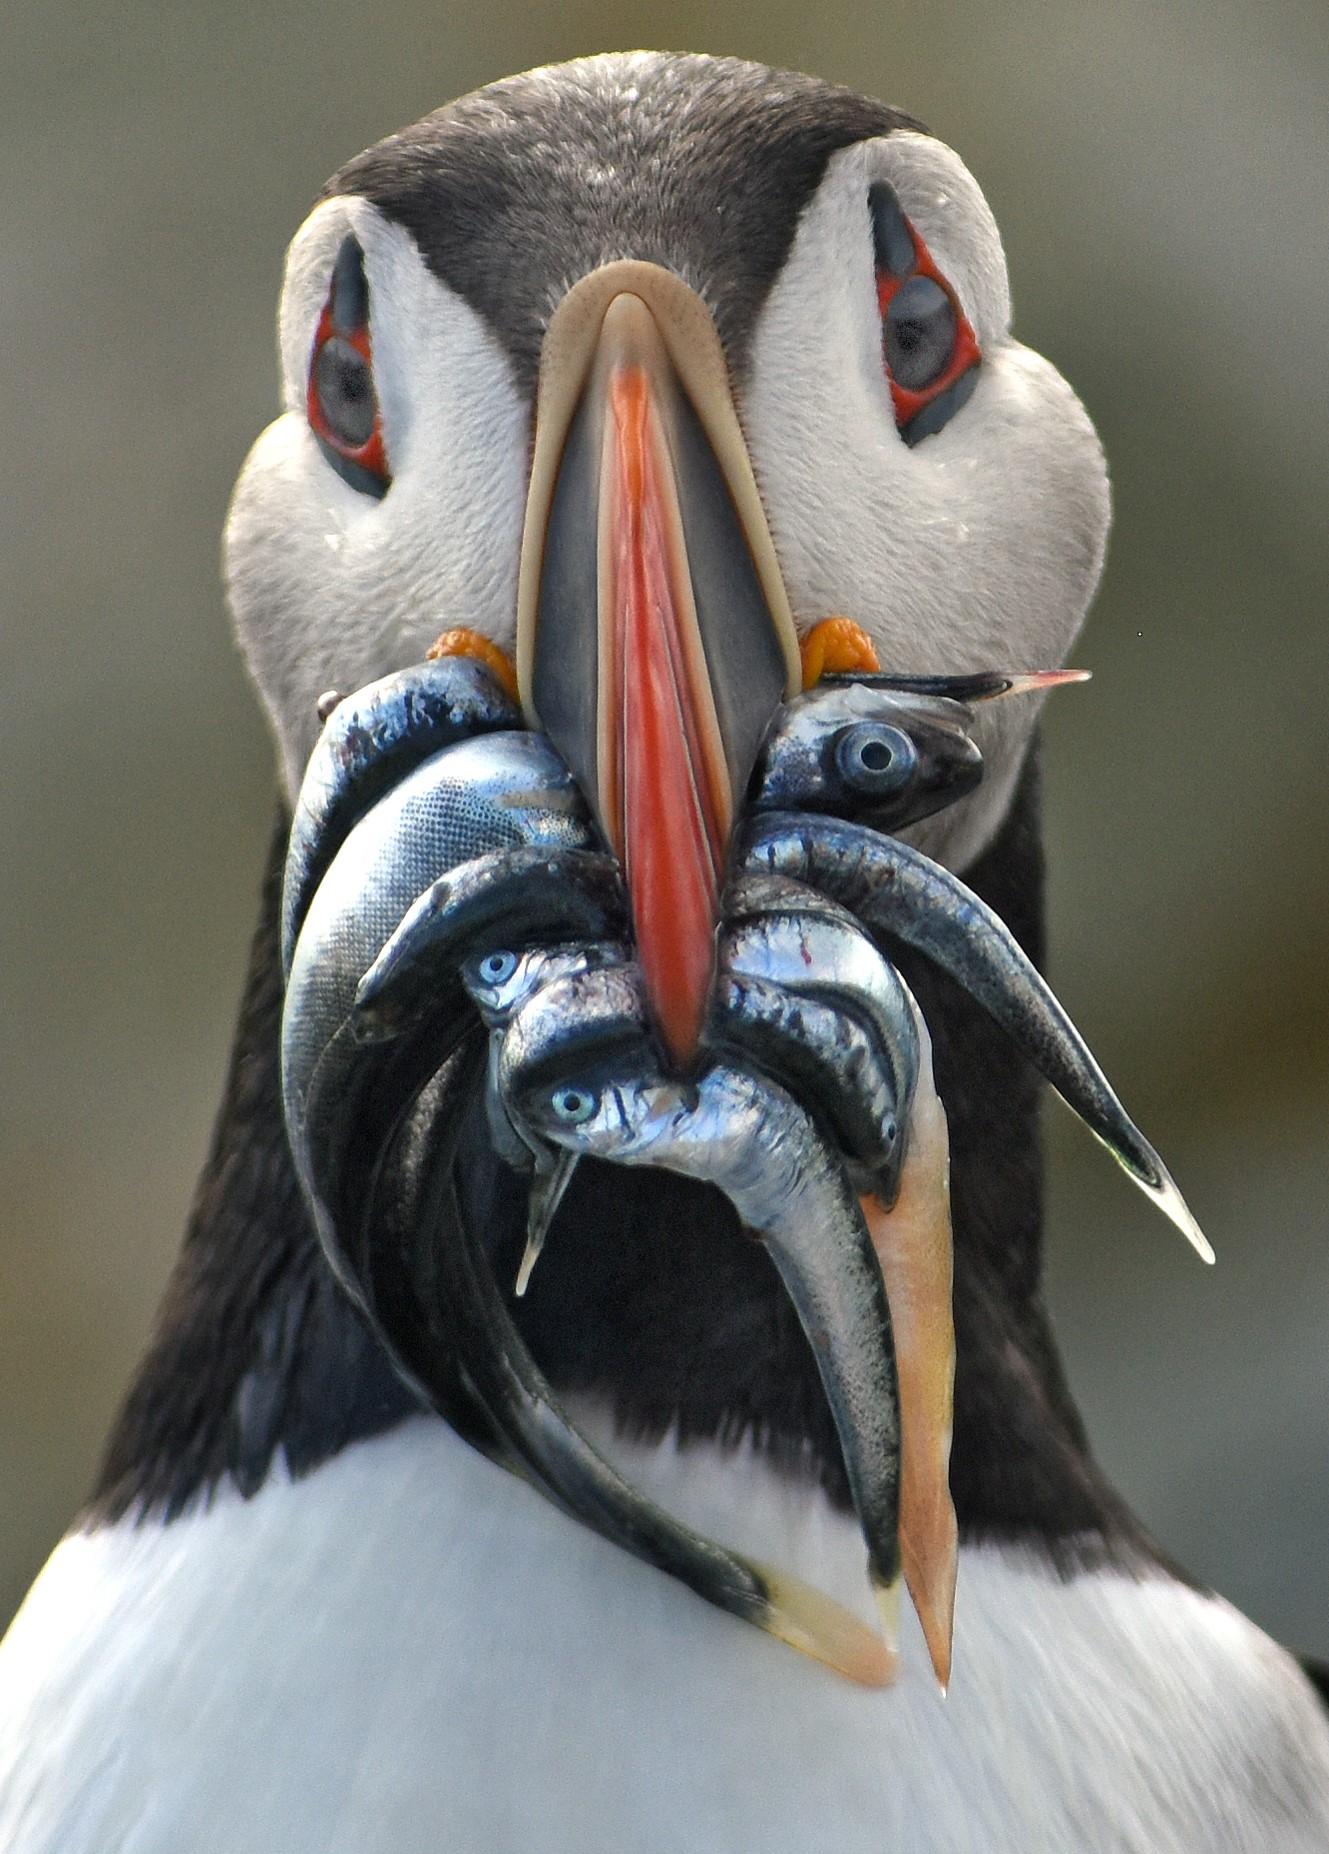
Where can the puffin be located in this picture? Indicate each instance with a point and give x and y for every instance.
(301, 1611)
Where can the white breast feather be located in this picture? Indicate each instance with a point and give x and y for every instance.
(411, 1653)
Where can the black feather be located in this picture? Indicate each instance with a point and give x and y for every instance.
(702, 165)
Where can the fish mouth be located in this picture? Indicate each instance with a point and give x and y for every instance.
(655, 640)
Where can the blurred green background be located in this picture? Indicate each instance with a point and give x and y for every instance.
(1161, 179)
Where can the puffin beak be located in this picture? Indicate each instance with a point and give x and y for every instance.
(654, 636)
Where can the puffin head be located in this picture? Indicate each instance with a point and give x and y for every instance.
(637, 369)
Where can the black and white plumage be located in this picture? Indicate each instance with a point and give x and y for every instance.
(337, 1626)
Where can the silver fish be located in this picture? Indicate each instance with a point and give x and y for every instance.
(895, 890)
(805, 994)
(531, 895)
(498, 983)
(502, 791)
(747, 1136)
(374, 1090)
(880, 749)
(881, 756)
(905, 1207)
(370, 741)
(539, 1441)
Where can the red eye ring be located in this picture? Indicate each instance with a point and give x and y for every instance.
(370, 456)
(965, 352)
(341, 403)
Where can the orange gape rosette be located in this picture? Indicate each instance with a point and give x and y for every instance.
(836, 647)
(463, 642)
(914, 1247)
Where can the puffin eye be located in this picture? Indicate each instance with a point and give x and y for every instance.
(344, 393)
(573, 1105)
(919, 333)
(341, 402)
(929, 348)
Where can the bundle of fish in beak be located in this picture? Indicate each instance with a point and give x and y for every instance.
(503, 958)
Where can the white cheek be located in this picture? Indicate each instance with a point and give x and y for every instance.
(940, 196)
(978, 549)
(331, 588)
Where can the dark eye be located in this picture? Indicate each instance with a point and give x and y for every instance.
(342, 405)
(919, 334)
(929, 348)
(344, 389)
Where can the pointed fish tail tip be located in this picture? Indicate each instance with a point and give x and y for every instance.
(1175, 1208)
(1049, 679)
(817, 1626)
(931, 1583)
(542, 1206)
(1026, 682)
(530, 1256)
(1138, 1159)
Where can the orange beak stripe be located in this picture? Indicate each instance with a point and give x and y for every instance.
(665, 808)
(654, 637)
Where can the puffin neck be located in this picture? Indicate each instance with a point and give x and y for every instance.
(649, 1296)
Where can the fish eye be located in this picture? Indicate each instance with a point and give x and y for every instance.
(573, 1105)
(875, 759)
(497, 968)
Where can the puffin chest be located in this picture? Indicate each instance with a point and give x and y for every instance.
(409, 1650)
